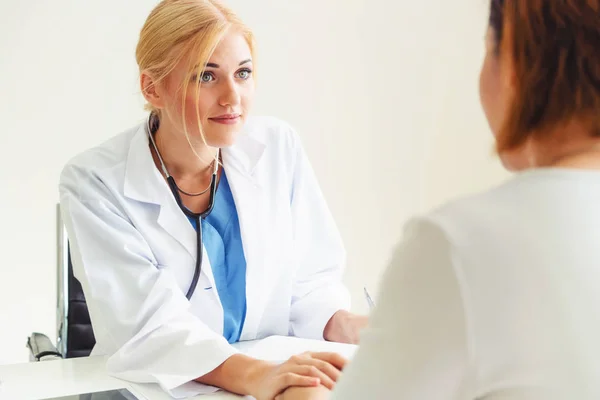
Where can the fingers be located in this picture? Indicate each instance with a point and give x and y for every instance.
(334, 359)
(324, 367)
(311, 370)
(327, 369)
(290, 378)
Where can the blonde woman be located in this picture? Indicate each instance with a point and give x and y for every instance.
(204, 226)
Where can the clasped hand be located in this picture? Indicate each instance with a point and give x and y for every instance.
(304, 370)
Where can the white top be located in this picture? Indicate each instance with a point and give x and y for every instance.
(496, 296)
(134, 252)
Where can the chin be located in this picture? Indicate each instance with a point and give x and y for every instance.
(223, 140)
(514, 162)
(223, 135)
(507, 165)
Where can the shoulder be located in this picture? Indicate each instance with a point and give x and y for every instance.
(489, 226)
(470, 224)
(478, 211)
(482, 232)
(99, 162)
(107, 154)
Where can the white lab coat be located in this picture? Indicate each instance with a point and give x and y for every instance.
(134, 252)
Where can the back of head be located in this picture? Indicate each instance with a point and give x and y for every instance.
(554, 49)
(176, 29)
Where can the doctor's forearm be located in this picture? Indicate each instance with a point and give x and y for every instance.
(236, 374)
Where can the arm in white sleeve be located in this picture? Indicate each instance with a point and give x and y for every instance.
(416, 346)
(139, 314)
(318, 291)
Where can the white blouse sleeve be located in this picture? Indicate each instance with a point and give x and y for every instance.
(416, 346)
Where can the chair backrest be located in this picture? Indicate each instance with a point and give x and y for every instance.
(75, 334)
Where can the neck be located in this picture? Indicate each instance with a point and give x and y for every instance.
(570, 146)
(573, 147)
(182, 160)
(584, 157)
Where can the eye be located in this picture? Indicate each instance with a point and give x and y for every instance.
(207, 77)
(244, 73)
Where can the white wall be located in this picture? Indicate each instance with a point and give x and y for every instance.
(459, 157)
(382, 92)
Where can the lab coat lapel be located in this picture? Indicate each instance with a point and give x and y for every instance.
(176, 223)
(240, 162)
(143, 182)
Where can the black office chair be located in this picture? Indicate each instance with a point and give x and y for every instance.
(75, 337)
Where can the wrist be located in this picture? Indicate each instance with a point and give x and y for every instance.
(239, 374)
(254, 374)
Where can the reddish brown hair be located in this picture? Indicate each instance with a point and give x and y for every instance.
(554, 47)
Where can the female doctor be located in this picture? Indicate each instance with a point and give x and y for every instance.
(203, 226)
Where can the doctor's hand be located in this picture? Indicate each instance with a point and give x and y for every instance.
(304, 370)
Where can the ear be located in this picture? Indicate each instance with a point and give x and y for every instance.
(151, 91)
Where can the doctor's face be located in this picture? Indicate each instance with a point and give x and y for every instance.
(222, 97)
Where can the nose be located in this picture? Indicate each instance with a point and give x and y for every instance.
(230, 95)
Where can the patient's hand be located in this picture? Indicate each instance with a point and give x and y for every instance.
(345, 327)
(305, 393)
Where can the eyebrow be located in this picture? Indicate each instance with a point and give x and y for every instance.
(213, 65)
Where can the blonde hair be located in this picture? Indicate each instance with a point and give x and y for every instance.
(178, 28)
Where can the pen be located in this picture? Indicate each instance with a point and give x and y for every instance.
(370, 301)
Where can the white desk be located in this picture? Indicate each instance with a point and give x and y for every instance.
(46, 379)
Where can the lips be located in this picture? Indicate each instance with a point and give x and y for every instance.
(226, 117)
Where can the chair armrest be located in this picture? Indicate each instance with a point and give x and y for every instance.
(41, 348)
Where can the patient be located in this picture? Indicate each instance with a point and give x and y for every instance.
(497, 296)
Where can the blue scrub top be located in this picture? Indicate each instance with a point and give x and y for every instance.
(223, 242)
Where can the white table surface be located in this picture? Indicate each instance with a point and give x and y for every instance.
(47, 379)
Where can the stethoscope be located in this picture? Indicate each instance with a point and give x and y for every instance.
(197, 216)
